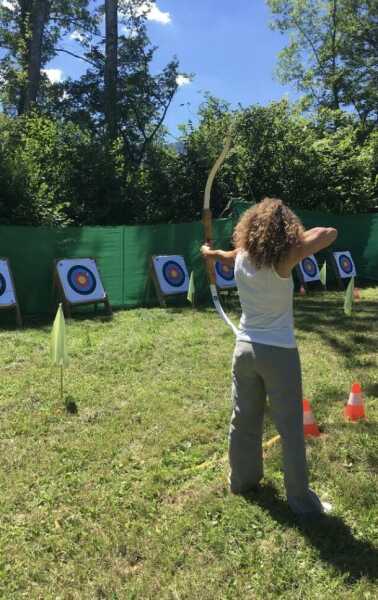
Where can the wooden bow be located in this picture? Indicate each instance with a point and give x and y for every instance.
(207, 221)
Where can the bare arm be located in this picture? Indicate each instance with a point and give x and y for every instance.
(317, 239)
(312, 241)
(225, 256)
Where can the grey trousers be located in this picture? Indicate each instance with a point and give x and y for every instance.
(259, 371)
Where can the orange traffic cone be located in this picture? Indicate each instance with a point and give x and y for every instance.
(302, 290)
(309, 424)
(355, 409)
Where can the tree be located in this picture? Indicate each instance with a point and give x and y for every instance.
(332, 55)
(48, 171)
(111, 67)
(276, 151)
(144, 98)
(118, 93)
(29, 34)
(38, 18)
(122, 104)
(360, 58)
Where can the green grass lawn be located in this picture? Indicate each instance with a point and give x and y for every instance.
(128, 498)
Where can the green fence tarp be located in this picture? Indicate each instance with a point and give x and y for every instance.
(32, 251)
(142, 242)
(123, 253)
(357, 233)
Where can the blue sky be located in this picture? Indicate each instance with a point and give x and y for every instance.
(226, 44)
(229, 47)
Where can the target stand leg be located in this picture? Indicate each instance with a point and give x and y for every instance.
(149, 289)
(108, 307)
(153, 276)
(55, 291)
(303, 287)
(161, 298)
(18, 316)
(58, 296)
(67, 309)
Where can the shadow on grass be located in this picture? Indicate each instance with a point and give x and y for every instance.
(345, 335)
(358, 427)
(332, 538)
(371, 389)
(45, 321)
(85, 313)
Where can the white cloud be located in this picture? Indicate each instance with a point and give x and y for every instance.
(183, 80)
(10, 4)
(153, 13)
(77, 36)
(54, 75)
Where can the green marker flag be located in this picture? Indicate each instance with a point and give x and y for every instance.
(191, 289)
(348, 300)
(59, 355)
(323, 274)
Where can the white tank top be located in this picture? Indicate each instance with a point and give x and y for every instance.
(267, 304)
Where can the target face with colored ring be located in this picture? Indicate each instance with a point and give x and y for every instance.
(171, 273)
(7, 292)
(80, 280)
(309, 269)
(225, 277)
(345, 264)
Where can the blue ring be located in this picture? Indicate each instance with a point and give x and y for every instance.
(226, 276)
(309, 263)
(348, 269)
(3, 284)
(172, 264)
(91, 284)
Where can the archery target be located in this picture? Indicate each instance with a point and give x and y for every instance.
(309, 269)
(80, 280)
(7, 292)
(172, 274)
(345, 264)
(225, 277)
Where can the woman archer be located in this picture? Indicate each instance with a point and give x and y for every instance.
(269, 241)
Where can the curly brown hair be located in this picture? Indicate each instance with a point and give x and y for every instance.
(268, 231)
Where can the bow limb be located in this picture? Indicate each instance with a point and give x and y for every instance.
(219, 309)
(215, 168)
(207, 215)
(208, 229)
